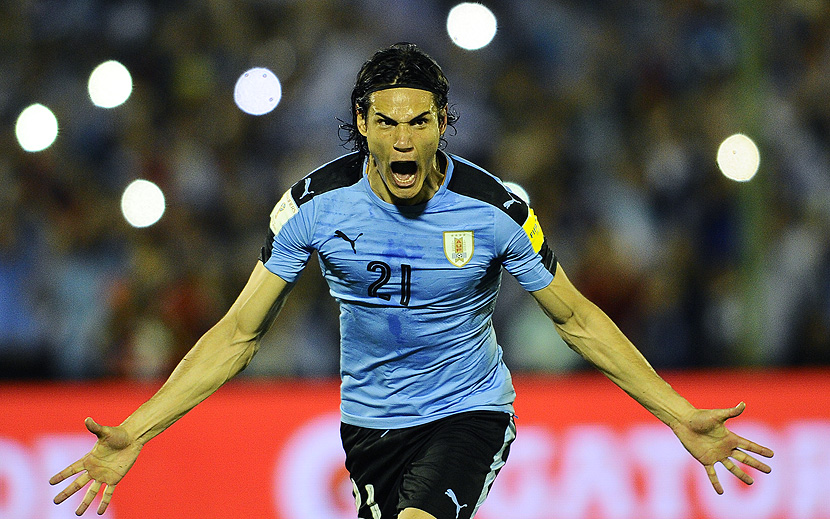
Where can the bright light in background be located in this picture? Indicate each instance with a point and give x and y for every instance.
(110, 84)
(471, 26)
(36, 128)
(518, 190)
(142, 203)
(257, 91)
(738, 158)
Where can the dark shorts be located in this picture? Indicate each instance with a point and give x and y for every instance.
(445, 467)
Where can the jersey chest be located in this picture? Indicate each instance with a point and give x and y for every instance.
(392, 259)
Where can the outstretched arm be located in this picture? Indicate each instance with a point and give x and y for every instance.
(221, 353)
(592, 334)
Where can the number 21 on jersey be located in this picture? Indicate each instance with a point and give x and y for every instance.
(384, 271)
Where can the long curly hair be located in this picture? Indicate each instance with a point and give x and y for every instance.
(400, 65)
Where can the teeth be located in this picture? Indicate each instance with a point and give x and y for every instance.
(404, 180)
(404, 172)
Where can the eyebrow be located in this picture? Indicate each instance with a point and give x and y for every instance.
(419, 116)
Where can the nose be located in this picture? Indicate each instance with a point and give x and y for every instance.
(403, 137)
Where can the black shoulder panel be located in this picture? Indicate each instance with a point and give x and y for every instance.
(342, 172)
(476, 183)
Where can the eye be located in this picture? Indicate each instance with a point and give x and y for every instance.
(385, 123)
(421, 121)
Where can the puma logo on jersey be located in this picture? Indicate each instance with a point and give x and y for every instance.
(341, 234)
(509, 203)
(307, 191)
(449, 493)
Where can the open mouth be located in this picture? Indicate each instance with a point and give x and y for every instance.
(403, 171)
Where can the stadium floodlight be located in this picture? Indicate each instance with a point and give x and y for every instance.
(36, 128)
(110, 84)
(738, 158)
(471, 25)
(142, 203)
(257, 91)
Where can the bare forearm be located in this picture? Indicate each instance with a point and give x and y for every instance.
(593, 335)
(216, 358)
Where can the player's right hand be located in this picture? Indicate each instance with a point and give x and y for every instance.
(108, 461)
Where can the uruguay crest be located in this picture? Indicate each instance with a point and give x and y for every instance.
(458, 247)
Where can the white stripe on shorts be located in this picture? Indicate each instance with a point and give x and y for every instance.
(498, 463)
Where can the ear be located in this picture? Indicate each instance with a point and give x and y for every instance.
(361, 121)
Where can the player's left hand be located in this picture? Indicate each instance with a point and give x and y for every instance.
(705, 436)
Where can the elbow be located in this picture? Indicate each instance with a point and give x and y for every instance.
(574, 324)
(242, 342)
(246, 344)
(242, 349)
(245, 332)
(247, 356)
(250, 347)
(577, 330)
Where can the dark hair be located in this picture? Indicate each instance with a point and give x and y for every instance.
(400, 65)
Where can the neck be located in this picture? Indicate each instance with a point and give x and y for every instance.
(433, 180)
(432, 183)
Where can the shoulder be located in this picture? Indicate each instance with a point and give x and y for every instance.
(342, 172)
(473, 181)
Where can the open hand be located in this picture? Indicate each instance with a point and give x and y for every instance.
(706, 438)
(108, 461)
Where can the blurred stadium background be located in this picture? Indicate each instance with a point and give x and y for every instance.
(609, 114)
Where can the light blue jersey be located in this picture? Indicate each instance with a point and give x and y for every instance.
(416, 285)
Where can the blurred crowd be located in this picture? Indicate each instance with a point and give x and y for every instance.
(608, 113)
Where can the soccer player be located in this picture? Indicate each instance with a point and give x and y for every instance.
(412, 242)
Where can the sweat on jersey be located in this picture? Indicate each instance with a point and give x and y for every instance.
(416, 285)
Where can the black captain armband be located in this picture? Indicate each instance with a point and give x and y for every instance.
(267, 247)
(548, 257)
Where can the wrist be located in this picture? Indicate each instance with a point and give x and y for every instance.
(682, 418)
(137, 429)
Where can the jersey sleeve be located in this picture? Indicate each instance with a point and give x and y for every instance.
(288, 243)
(525, 251)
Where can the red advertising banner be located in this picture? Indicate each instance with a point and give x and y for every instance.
(270, 449)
